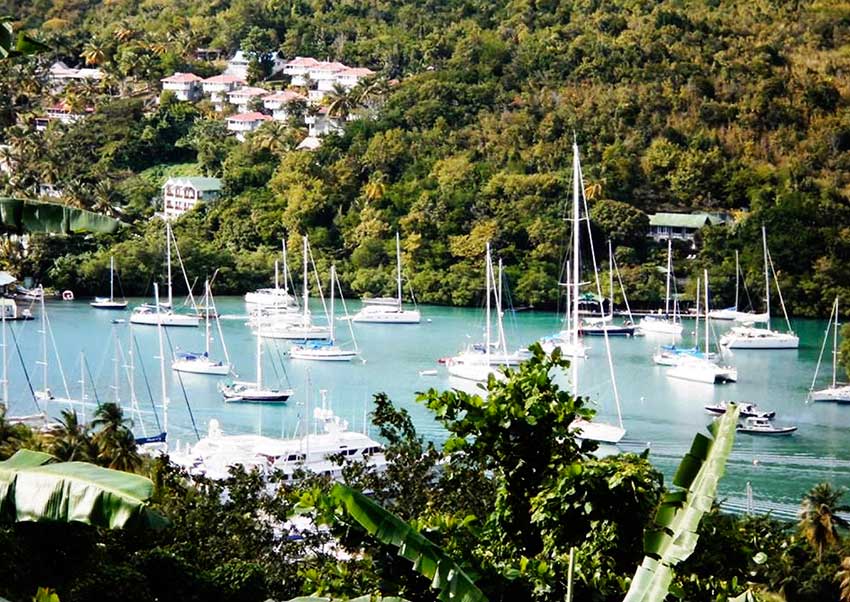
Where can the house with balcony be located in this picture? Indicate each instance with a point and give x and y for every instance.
(298, 69)
(280, 103)
(324, 75)
(219, 86)
(350, 77)
(181, 194)
(60, 75)
(244, 123)
(186, 86)
(321, 123)
(242, 97)
(680, 226)
(62, 113)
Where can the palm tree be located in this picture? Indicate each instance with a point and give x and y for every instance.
(819, 520)
(374, 189)
(94, 52)
(275, 137)
(843, 578)
(341, 102)
(12, 436)
(70, 440)
(116, 446)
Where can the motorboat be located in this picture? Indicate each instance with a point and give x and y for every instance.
(754, 425)
(601, 327)
(385, 312)
(109, 302)
(747, 410)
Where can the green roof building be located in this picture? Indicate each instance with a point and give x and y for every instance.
(681, 226)
(180, 194)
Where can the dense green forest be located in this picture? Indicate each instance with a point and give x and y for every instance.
(737, 107)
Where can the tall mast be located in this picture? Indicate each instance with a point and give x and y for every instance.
(835, 344)
(285, 268)
(576, 260)
(207, 313)
(766, 275)
(705, 276)
(610, 280)
(112, 278)
(501, 342)
(696, 322)
(488, 276)
(398, 267)
(737, 278)
(43, 342)
(331, 316)
(276, 276)
(132, 369)
(305, 291)
(163, 387)
(259, 356)
(5, 360)
(83, 385)
(168, 262)
(669, 269)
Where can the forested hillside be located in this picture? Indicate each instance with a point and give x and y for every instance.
(737, 106)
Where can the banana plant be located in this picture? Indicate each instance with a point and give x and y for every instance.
(427, 558)
(20, 44)
(358, 599)
(36, 488)
(24, 215)
(673, 536)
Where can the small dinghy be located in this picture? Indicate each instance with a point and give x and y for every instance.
(763, 426)
(748, 410)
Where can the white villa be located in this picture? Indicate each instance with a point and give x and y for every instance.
(186, 86)
(180, 194)
(243, 123)
(218, 86)
(320, 77)
(348, 78)
(61, 113)
(60, 75)
(299, 68)
(241, 97)
(321, 124)
(279, 102)
(238, 64)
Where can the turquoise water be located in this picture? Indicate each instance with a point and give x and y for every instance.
(659, 412)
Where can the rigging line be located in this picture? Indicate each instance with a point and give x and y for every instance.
(778, 291)
(24, 367)
(129, 373)
(345, 309)
(91, 378)
(183, 270)
(182, 387)
(56, 353)
(147, 382)
(318, 283)
(823, 345)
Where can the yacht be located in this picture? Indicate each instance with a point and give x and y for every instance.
(755, 425)
(276, 297)
(747, 410)
(666, 325)
(201, 362)
(110, 302)
(254, 392)
(837, 392)
(383, 313)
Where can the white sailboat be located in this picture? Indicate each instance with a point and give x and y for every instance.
(109, 302)
(45, 393)
(163, 314)
(277, 297)
(594, 430)
(381, 313)
(567, 340)
(201, 362)
(327, 351)
(476, 366)
(302, 329)
(750, 337)
(254, 392)
(836, 392)
(700, 368)
(665, 324)
(671, 355)
(732, 313)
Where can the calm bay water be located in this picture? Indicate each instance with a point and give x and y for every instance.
(660, 413)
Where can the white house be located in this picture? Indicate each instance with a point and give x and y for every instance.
(238, 64)
(279, 103)
(241, 97)
(324, 74)
(348, 78)
(186, 86)
(299, 68)
(180, 194)
(243, 123)
(219, 86)
(62, 113)
(321, 123)
(60, 75)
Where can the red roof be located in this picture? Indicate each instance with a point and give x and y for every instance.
(180, 78)
(329, 66)
(285, 96)
(63, 107)
(224, 79)
(251, 116)
(357, 72)
(302, 61)
(249, 91)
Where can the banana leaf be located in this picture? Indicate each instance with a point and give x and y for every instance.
(673, 536)
(427, 558)
(17, 45)
(34, 488)
(23, 215)
(358, 599)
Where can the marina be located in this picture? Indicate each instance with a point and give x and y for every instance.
(658, 412)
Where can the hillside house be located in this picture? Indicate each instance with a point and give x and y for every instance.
(238, 64)
(242, 97)
(298, 69)
(186, 86)
(321, 123)
(244, 123)
(62, 113)
(219, 86)
(279, 103)
(680, 226)
(60, 75)
(181, 194)
(349, 78)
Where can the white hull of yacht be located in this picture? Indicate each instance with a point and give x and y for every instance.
(475, 371)
(165, 318)
(759, 338)
(703, 371)
(201, 365)
(650, 325)
(838, 394)
(598, 431)
(269, 298)
(380, 314)
(322, 353)
(294, 332)
(105, 303)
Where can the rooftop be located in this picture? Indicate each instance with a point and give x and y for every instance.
(302, 61)
(196, 182)
(224, 79)
(250, 116)
(180, 78)
(357, 72)
(249, 91)
(328, 66)
(684, 220)
(285, 96)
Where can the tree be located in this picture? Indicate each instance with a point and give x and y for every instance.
(819, 520)
(94, 52)
(843, 578)
(116, 446)
(620, 222)
(70, 441)
(341, 102)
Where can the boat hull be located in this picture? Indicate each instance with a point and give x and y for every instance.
(253, 395)
(164, 318)
(778, 431)
(832, 394)
(388, 317)
(656, 326)
(612, 331)
(201, 367)
(108, 304)
(758, 338)
(322, 354)
(598, 431)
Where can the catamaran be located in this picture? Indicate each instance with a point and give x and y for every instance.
(201, 362)
(164, 314)
(665, 324)
(110, 302)
(837, 392)
(382, 313)
(750, 337)
(327, 351)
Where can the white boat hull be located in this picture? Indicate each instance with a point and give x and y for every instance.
(165, 318)
(322, 354)
(107, 304)
(835, 394)
(249, 393)
(201, 366)
(380, 314)
(269, 298)
(759, 338)
(703, 371)
(658, 326)
(295, 333)
(475, 371)
(598, 431)
(562, 341)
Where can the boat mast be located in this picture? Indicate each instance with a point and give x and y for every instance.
(83, 385)
(705, 276)
(503, 340)
(766, 274)
(285, 267)
(276, 276)
(576, 262)
(669, 269)
(835, 344)
(259, 355)
(398, 266)
(43, 341)
(112, 277)
(163, 387)
(305, 291)
(696, 322)
(5, 360)
(207, 312)
(331, 315)
(488, 276)
(737, 278)
(168, 263)
(610, 280)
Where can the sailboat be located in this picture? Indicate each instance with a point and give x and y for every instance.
(110, 302)
(567, 340)
(750, 337)
(202, 363)
(302, 328)
(700, 368)
(604, 325)
(327, 351)
(665, 324)
(732, 313)
(479, 366)
(254, 392)
(594, 430)
(154, 315)
(381, 313)
(277, 297)
(45, 393)
(839, 393)
(671, 355)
